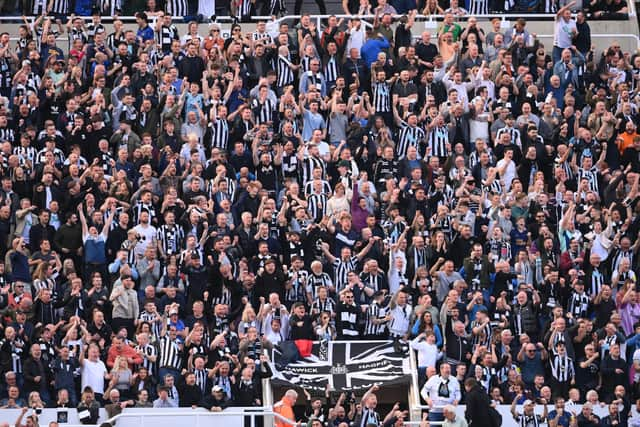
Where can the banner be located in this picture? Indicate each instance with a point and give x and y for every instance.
(344, 365)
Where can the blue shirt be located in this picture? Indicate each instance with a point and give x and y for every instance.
(20, 267)
(234, 101)
(145, 33)
(311, 122)
(94, 250)
(564, 419)
(370, 49)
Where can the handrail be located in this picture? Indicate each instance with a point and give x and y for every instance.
(414, 379)
(503, 16)
(601, 36)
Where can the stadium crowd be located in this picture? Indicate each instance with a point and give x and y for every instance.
(173, 206)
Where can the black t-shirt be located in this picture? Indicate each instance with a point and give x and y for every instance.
(616, 7)
(587, 378)
(403, 36)
(426, 52)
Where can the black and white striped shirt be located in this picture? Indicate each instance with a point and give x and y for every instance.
(285, 72)
(244, 8)
(315, 281)
(7, 134)
(77, 34)
(219, 133)
(515, 135)
(309, 164)
(150, 318)
(331, 70)
(375, 312)
(263, 112)
(529, 420)
(597, 280)
(110, 7)
(171, 237)
(408, 136)
(369, 416)
(60, 7)
(262, 36)
(202, 379)
(112, 41)
(93, 29)
(290, 166)
(139, 207)
(326, 188)
(39, 7)
(16, 348)
(618, 256)
(341, 270)
(326, 306)
(147, 351)
(177, 7)
(381, 97)
(437, 141)
(170, 353)
(166, 36)
(298, 290)
(590, 175)
(484, 337)
(26, 154)
(305, 63)
(578, 305)
(317, 206)
(562, 368)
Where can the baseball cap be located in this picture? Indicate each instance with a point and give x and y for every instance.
(217, 389)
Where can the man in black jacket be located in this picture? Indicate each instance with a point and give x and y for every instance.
(190, 393)
(216, 401)
(36, 374)
(614, 372)
(246, 391)
(479, 411)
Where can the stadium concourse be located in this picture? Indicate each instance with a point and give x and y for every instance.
(406, 214)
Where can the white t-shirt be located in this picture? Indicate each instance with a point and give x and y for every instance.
(564, 33)
(509, 173)
(636, 357)
(93, 375)
(428, 354)
(147, 234)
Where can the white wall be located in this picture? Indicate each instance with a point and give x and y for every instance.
(187, 417)
(508, 421)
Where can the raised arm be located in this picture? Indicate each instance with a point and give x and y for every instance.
(109, 221)
(327, 253)
(83, 220)
(564, 8)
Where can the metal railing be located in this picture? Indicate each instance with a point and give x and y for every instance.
(603, 36)
(540, 36)
(435, 17)
(253, 412)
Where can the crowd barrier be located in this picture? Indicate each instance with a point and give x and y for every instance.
(199, 417)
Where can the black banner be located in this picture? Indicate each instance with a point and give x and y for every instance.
(344, 365)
